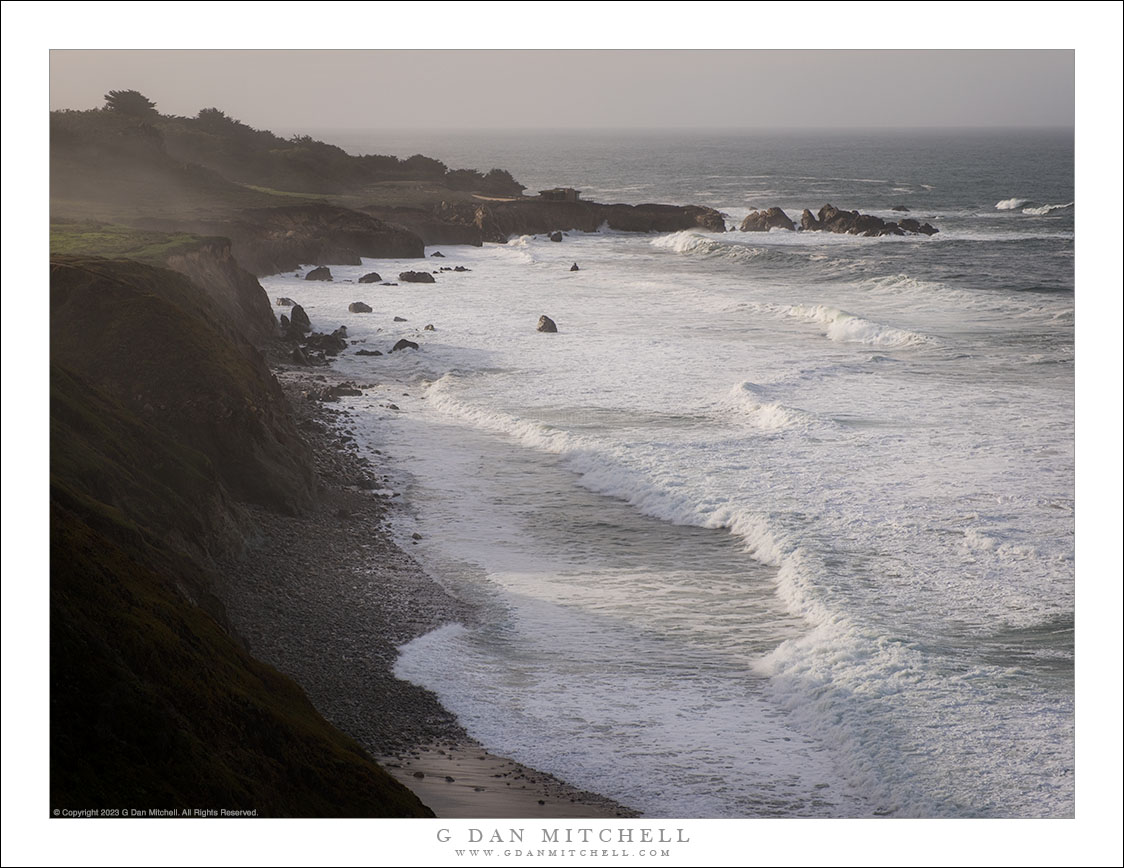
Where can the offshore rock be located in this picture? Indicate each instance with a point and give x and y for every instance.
(404, 344)
(546, 324)
(763, 221)
(416, 277)
(359, 307)
(320, 273)
(372, 277)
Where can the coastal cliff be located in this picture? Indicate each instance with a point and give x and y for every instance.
(269, 240)
(167, 430)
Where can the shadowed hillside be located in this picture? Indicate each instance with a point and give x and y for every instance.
(164, 421)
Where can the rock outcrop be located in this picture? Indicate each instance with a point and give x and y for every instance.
(299, 321)
(477, 222)
(831, 219)
(763, 221)
(416, 277)
(546, 324)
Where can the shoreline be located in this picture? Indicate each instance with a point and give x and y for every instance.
(328, 597)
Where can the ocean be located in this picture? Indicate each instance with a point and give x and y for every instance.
(777, 524)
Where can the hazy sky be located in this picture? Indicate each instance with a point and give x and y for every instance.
(315, 89)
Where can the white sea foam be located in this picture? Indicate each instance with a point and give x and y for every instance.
(1010, 204)
(894, 509)
(747, 399)
(1042, 210)
(849, 328)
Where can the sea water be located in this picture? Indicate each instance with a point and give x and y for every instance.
(777, 524)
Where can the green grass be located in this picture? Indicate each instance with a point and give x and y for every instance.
(114, 241)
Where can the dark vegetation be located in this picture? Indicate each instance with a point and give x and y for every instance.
(238, 153)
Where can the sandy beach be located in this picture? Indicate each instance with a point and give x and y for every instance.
(327, 598)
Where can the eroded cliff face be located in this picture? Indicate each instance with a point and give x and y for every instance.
(477, 222)
(271, 240)
(237, 293)
(165, 421)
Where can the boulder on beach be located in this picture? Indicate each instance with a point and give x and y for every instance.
(372, 277)
(299, 321)
(320, 273)
(574, 267)
(285, 302)
(546, 324)
(404, 344)
(763, 221)
(555, 236)
(359, 307)
(416, 277)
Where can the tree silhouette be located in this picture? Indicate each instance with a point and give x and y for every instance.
(129, 102)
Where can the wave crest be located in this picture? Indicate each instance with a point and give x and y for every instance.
(848, 328)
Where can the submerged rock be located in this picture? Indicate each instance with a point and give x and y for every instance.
(368, 353)
(404, 345)
(438, 254)
(898, 208)
(546, 324)
(320, 273)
